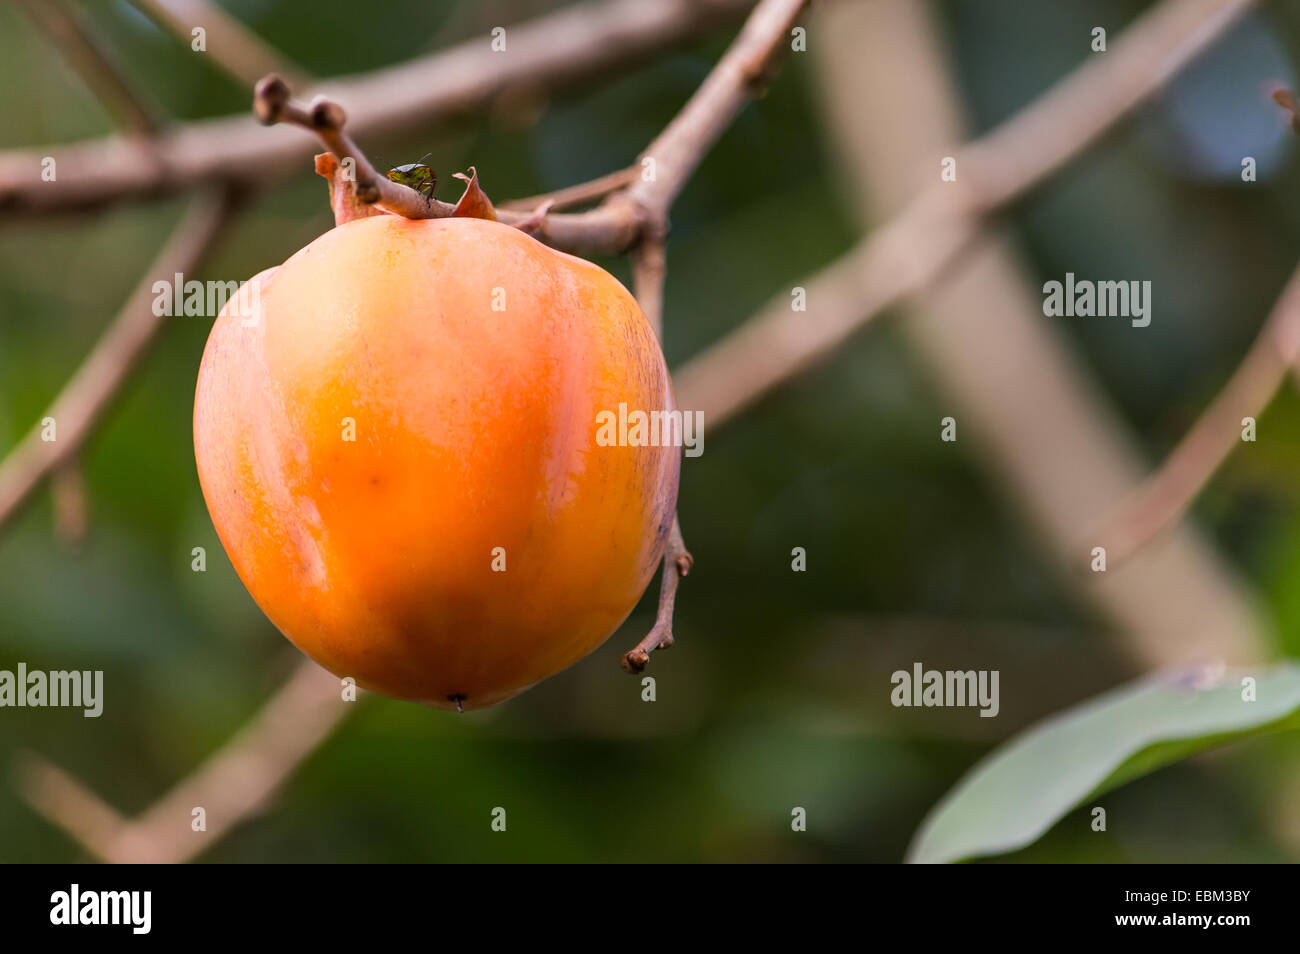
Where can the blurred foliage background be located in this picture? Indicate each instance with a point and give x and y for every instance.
(777, 694)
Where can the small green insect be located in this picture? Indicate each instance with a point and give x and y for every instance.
(415, 175)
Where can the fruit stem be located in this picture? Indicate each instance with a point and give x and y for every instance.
(343, 194)
(677, 563)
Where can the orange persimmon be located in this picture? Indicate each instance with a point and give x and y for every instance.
(396, 437)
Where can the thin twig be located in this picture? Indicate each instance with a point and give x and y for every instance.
(558, 50)
(649, 269)
(92, 389)
(1168, 493)
(234, 47)
(67, 28)
(583, 193)
(737, 77)
(677, 564)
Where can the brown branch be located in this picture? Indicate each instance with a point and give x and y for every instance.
(1167, 494)
(737, 77)
(92, 389)
(778, 343)
(1086, 104)
(555, 51)
(62, 799)
(612, 228)
(233, 46)
(583, 193)
(235, 782)
(909, 251)
(649, 271)
(66, 26)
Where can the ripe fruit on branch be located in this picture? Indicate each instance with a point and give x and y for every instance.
(396, 438)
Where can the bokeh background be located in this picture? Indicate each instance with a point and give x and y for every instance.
(777, 694)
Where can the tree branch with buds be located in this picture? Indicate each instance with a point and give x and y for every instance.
(612, 228)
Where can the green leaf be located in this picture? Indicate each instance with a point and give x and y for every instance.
(1012, 797)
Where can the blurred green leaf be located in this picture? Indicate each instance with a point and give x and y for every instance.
(1015, 795)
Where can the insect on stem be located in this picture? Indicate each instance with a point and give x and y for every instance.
(417, 176)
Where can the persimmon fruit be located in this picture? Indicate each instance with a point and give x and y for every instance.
(396, 438)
